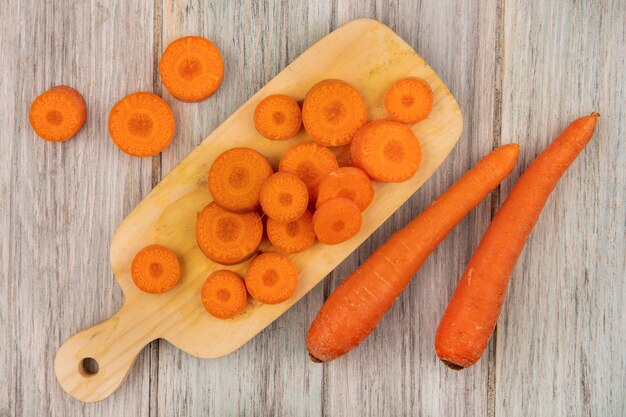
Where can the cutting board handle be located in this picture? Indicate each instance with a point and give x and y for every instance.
(92, 364)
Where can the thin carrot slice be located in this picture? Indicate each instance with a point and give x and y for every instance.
(228, 238)
(294, 236)
(388, 151)
(277, 117)
(155, 269)
(58, 114)
(409, 100)
(347, 182)
(236, 178)
(336, 221)
(310, 162)
(141, 124)
(284, 197)
(224, 294)
(332, 112)
(191, 68)
(271, 278)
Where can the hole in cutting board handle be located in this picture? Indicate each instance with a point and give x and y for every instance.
(88, 367)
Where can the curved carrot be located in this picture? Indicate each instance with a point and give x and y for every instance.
(236, 178)
(294, 236)
(224, 294)
(388, 151)
(409, 100)
(347, 182)
(332, 112)
(271, 278)
(354, 309)
(337, 220)
(278, 117)
(228, 238)
(155, 269)
(284, 197)
(141, 124)
(58, 114)
(310, 162)
(471, 315)
(191, 68)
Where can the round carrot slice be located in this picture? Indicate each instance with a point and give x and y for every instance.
(224, 294)
(271, 278)
(387, 151)
(337, 220)
(348, 182)
(191, 68)
(409, 100)
(277, 117)
(141, 124)
(310, 162)
(58, 114)
(294, 236)
(332, 112)
(236, 178)
(284, 197)
(155, 269)
(228, 238)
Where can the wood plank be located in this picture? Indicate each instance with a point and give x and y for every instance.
(562, 334)
(65, 199)
(396, 371)
(271, 374)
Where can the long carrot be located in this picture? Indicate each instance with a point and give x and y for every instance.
(356, 306)
(471, 315)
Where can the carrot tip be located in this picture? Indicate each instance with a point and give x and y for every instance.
(452, 365)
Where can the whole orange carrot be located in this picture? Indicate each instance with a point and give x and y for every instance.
(473, 311)
(354, 309)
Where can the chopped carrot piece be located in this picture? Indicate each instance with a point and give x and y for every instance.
(409, 100)
(278, 117)
(336, 221)
(271, 278)
(58, 114)
(310, 162)
(236, 178)
(284, 197)
(348, 182)
(155, 269)
(294, 236)
(224, 294)
(228, 238)
(141, 124)
(332, 112)
(191, 68)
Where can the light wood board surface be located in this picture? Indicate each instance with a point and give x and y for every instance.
(520, 71)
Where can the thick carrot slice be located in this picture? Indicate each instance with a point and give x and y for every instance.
(271, 278)
(155, 269)
(191, 68)
(294, 236)
(310, 162)
(388, 151)
(409, 100)
(236, 178)
(228, 238)
(141, 124)
(224, 294)
(332, 112)
(58, 114)
(347, 182)
(354, 309)
(336, 221)
(471, 315)
(278, 117)
(284, 197)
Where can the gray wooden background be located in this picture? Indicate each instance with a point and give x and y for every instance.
(521, 70)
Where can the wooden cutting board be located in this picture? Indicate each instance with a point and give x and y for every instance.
(365, 53)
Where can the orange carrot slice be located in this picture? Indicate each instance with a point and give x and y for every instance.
(191, 68)
(336, 221)
(271, 278)
(155, 269)
(224, 294)
(310, 162)
(277, 117)
(409, 100)
(58, 114)
(284, 197)
(294, 236)
(348, 182)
